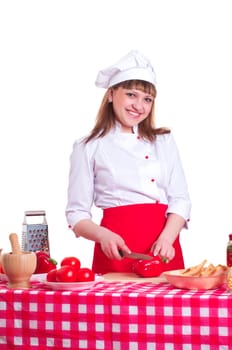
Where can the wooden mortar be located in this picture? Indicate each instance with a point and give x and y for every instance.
(18, 265)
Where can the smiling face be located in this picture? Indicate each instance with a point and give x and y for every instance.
(131, 106)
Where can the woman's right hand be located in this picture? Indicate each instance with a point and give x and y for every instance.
(111, 243)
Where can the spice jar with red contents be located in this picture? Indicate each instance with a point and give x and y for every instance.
(229, 251)
(229, 263)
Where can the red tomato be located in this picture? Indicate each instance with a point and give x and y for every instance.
(71, 261)
(85, 275)
(51, 275)
(66, 274)
(149, 268)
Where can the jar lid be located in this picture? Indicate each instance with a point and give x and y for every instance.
(230, 236)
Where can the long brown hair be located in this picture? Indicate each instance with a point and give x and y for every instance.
(106, 118)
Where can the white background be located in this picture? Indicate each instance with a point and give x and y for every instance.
(50, 54)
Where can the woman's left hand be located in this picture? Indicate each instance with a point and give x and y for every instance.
(163, 248)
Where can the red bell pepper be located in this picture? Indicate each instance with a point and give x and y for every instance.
(149, 268)
(44, 262)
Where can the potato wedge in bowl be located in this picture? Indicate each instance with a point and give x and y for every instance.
(203, 276)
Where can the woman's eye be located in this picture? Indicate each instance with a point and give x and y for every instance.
(129, 94)
(148, 100)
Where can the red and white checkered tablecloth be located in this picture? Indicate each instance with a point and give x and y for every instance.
(115, 316)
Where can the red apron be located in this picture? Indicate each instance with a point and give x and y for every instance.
(139, 225)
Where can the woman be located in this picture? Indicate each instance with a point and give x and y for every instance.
(131, 170)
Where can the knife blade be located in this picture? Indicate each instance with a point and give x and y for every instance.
(134, 255)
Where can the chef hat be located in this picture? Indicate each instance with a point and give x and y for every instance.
(133, 66)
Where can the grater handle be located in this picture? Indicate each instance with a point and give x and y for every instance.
(35, 213)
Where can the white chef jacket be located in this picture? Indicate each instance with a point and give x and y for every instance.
(122, 169)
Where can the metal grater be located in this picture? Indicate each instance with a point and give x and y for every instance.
(34, 234)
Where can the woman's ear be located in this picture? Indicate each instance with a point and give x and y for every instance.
(110, 96)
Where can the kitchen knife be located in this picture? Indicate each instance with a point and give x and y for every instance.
(134, 255)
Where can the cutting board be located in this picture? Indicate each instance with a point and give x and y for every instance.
(129, 276)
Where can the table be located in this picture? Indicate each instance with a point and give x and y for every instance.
(115, 316)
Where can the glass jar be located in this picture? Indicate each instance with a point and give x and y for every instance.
(229, 280)
(229, 252)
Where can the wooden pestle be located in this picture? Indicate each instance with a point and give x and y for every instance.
(15, 243)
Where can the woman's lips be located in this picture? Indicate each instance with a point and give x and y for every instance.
(133, 114)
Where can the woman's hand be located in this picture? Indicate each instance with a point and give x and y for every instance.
(163, 248)
(111, 243)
